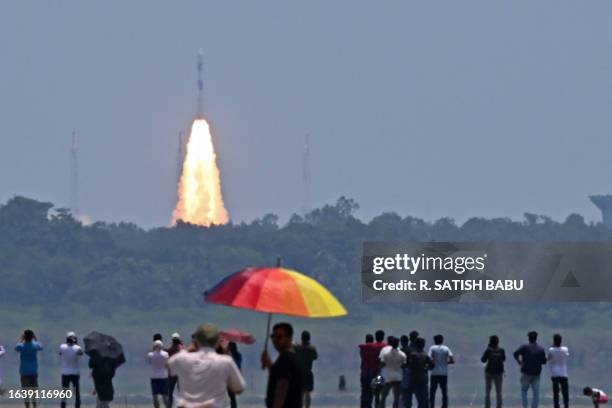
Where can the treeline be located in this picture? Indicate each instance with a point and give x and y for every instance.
(47, 257)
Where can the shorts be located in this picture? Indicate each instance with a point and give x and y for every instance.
(308, 381)
(160, 386)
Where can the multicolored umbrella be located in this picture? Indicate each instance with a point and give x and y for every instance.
(276, 290)
(237, 336)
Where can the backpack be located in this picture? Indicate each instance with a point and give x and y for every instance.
(495, 364)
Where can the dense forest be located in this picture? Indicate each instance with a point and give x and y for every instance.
(47, 256)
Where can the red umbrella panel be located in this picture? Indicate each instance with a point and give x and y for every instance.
(237, 336)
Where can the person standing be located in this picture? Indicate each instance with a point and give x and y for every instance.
(408, 346)
(557, 365)
(419, 363)
(441, 356)
(204, 376)
(2, 353)
(369, 370)
(159, 374)
(391, 360)
(28, 348)
(494, 357)
(232, 349)
(70, 353)
(175, 347)
(285, 382)
(307, 354)
(102, 372)
(531, 357)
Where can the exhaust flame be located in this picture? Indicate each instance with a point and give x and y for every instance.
(199, 192)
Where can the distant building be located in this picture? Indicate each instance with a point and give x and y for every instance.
(604, 203)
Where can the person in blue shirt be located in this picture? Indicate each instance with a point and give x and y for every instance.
(28, 347)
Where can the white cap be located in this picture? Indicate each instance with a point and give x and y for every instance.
(176, 336)
(71, 334)
(158, 343)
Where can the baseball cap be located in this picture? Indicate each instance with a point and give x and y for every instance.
(176, 336)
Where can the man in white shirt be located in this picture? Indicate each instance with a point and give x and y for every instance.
(70, 353)
(441, 356)
(557, 365)
(158, 358)
(391, 360)
(203, 375)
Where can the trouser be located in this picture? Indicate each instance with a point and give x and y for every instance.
(532, 381)
(367, 395)
(74, 380)
(29, 381)
(560, 382)
(442, 381)
(171, 386)
(420, 393)
(232, 398)
(490, 380)
(391, 385)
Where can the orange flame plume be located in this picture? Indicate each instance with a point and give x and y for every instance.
(200, 201)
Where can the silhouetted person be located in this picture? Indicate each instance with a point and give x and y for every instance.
(419, 364)
(307, 354)
(28, 348)
(441, 356)
(102, 372)
(557, 365)
(369, 370)
(392, 359)
(531, 357)
(407, 349)
(494, 358)
(285, 383)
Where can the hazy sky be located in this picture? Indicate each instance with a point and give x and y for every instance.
(431, 109)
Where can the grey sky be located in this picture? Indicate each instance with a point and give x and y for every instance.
(431, 109)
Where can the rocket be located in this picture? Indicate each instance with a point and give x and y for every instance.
(200, 108)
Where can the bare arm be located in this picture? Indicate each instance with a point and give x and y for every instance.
(280, 392)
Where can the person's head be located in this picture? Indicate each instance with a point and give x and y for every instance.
(493, 341)
(419, 343)
(404, 340)
(207, 335)
(557, 339)
(176, 338)
(282, 336)
(369, 338)
(379, 335)
(157, 336)
(587, 391)
(413, 335)
(393, 341)
(305, 336)
(28, 335)
(438, 339)
(232, 347)
(532, 336)
(71, 338)
(389, 339)
(158, 345)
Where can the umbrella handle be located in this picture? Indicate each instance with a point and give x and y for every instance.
(267, 337)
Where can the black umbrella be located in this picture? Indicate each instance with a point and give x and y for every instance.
(104, 346)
